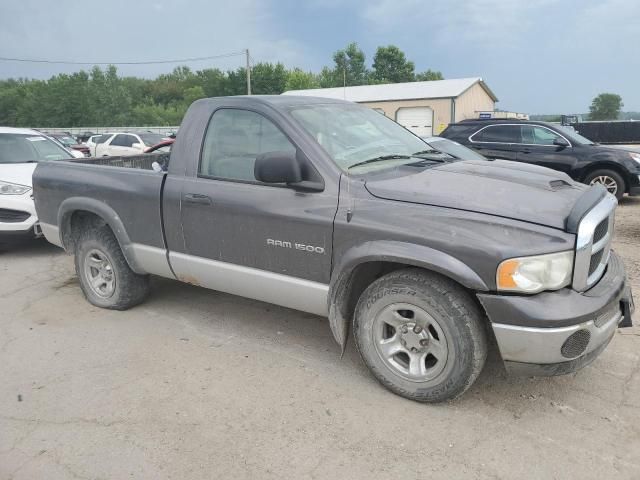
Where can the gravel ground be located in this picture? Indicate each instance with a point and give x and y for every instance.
(197, 384)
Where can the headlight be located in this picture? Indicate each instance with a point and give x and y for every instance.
(635, 156)
(535, 274)
(7, 188)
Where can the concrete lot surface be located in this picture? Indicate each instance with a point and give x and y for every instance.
(196, 384)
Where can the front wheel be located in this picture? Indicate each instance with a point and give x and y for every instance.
(421, 335)
(609, 179)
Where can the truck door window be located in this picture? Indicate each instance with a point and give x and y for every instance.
(234, 139)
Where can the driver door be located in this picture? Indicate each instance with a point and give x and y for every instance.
(228, 216)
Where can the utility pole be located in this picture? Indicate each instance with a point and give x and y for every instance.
(248, 73)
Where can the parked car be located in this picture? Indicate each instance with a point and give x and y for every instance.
(454, 149)
(553, 146)
(72, 152)
(91, 142)
(331, 208)
(20, 150)
(125, 143)
(83, 137)
(71, 143)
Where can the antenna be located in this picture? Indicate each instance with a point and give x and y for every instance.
(344, 83)
(349, 198)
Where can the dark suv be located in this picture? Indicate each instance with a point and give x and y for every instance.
(552, 146)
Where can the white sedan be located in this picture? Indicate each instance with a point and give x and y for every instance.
(125, 143)
(20, 151)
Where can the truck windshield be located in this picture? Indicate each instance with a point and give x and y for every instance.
(353, 134)
(21, 148)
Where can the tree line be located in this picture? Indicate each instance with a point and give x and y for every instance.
(100, 97)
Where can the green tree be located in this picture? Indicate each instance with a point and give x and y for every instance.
(213, 81)
(348, 67)
(268, 78)
(350, 61)
(605, 106)
(428, 76)
(390, 65)
(192, 94)
(298, 79)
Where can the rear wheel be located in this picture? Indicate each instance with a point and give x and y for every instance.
(421, 335)
(609, 179)
(105, 277)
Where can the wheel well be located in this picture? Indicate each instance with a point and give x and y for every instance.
(77, 222)
(605, 166)
(364, 275)
(351, 288)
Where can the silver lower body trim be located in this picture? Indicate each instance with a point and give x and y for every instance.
(543, 345)
(284, 290)
(151, 259)
(51, 233)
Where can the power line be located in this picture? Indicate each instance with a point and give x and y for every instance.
(151, 62)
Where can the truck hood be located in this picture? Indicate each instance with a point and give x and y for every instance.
(502, 188)
(20, 173)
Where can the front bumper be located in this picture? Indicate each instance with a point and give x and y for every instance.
(554, 333)
(634, 188)
(19, 203)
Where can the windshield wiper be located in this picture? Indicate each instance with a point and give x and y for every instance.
(379, 159)
(424, 152)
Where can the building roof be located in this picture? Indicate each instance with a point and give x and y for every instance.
(398, 91)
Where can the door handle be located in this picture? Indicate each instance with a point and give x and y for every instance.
(197, 199)
(526, 150)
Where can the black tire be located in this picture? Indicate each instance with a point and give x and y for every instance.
(614, 176)
(129, 288)
(457, 316)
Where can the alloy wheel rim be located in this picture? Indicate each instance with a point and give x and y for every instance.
(410, 342)
(99, 273)
(607, 182)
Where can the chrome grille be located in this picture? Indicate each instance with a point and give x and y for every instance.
(601, 230)
(596, 260)
(593, 243)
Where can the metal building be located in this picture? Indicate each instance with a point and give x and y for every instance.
(425, 108)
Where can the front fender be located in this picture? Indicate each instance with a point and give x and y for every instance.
(340, 301)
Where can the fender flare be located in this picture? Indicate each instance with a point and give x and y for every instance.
(392, 252)
(74, 204)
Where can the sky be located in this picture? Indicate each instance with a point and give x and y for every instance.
(538, 56)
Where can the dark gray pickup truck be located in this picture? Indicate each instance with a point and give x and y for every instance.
(329, 207)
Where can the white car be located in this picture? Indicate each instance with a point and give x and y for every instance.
(91, 142)
(124, 143)
(20, 151)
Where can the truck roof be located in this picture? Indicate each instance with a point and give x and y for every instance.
(277, 100)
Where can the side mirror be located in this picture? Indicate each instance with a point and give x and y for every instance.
(137, 146)
(277, 167)
(283, 167)
(561, 142)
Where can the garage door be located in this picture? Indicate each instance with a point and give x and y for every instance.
(417, 119)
